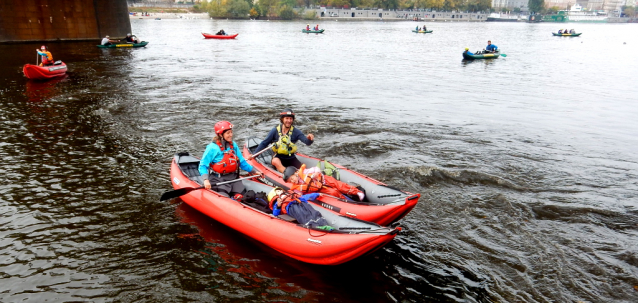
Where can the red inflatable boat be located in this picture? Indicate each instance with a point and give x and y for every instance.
(351, 238)
(37, 72)
(383, 204)
(211, 36)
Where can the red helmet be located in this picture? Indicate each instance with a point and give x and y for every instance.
(222, 126)
(43, 47)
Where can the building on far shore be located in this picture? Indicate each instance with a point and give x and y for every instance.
(609, 6)
(511, 4)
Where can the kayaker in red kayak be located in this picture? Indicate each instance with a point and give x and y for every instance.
(47, 57)
(221, 162)
(297, 206)
(285, 136)
(221, 33)
(312, 180)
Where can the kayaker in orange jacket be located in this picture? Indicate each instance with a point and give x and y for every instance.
(47, 57)
(312, 180)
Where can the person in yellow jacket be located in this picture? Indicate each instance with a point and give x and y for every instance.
(285, 135)
(47, 57)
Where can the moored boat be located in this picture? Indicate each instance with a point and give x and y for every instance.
(36, 72)
(567, 35)
(124, 45)
(312, 32)
(497, 17)
(422, 32)
(211, 36)
(383, 204)
(481, 56)
(350, 239)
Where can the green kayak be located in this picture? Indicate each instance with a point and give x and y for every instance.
(567, 35)
(422, 32)
(312, 32)
(123, 45)
(481, 56)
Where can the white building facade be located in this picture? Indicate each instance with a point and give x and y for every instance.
(511, 4)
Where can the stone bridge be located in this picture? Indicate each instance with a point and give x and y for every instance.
(52, 20)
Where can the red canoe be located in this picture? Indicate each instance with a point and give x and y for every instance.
(383, 204)
(351, 238)
(211, 36)
(36, 72)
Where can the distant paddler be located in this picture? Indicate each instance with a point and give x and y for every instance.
(491, 48)
(131, 39)
(107, 41)
(47, 57)
(467, 52)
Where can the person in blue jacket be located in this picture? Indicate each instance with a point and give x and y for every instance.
(296, 206)
(221, 162)
(284, 136)
(467, 51)
(490, 48)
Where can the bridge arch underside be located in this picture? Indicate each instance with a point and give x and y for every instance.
(51, 20)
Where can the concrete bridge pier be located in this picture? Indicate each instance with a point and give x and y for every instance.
(52, 20)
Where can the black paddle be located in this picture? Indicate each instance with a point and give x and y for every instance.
(182, 191)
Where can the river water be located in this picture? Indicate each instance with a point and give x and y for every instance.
(527, 164)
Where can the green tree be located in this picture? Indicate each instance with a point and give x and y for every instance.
(437, 4)
(629, 11)
(364, 3)
(451, 5)
(287, 13)
(238, 8)
(536, 5)
(289, 3)
(254, 13)
(217, 9)
(387, 4)
(553, 10)
(418, 3)
(268, 7)
(338, 3)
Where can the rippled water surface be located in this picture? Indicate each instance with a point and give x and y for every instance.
(527, 164)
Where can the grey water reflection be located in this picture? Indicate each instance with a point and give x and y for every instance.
(526, 164)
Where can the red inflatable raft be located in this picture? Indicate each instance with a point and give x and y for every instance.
(383, 204)
(36, 72)
(211, 36)
(351, 238)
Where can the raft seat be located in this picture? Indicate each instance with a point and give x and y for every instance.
(266, 157)
(190, 167)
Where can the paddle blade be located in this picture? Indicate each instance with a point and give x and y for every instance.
(504, 55)
(177, 193)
